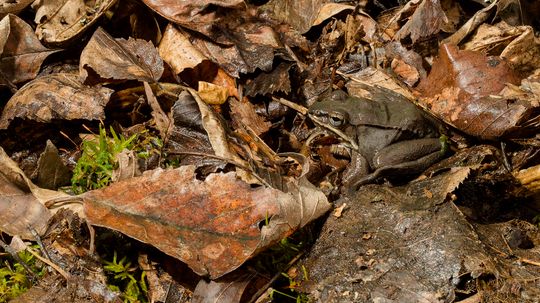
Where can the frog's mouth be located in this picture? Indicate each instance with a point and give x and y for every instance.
(336, 131)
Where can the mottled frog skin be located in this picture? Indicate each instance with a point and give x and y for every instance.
(393, 136)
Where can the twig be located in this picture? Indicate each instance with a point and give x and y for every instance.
(50, 263)
(15, 256)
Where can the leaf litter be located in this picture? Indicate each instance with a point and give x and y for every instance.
(222, 167)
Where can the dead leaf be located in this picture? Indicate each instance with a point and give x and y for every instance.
(304, 14)
(176, 49)
(21, 53)
(197, 15)
(211, 225)
(119, 59)
(58, 96)
(247, 46)
(517, 44)
(272, 82)
(243, 113)
(461, 89)
(13, 6)
(229, 289)
(51, 171)
(212, 94)
(128, 166)
(426, 21)
(61, 21)
(163, 122)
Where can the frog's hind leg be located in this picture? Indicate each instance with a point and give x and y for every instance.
(398, 170)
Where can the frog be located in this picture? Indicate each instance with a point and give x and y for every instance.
(387, 135)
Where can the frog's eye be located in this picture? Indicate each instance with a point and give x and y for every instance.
(336, 119)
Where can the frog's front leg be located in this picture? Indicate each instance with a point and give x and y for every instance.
(357, 168)
(403, 158)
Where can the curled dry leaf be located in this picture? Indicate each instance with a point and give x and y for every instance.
(13, 6)
(176, 49)
(517, 44)
(462, 87)
(21, 53)
(213, 225)
(21, 202)
(195, 14)
(119, 59)
(60, 21)
(58, 96)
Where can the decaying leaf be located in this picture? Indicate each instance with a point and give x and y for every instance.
(163, 122)
(131, 59)
(58, 96)
(195, 14)
(13, 6)
(60, 21)
(21, 202)
(21, 53)
(211, 225)
(462, 90)
(517, 44)
(427, 20)
(176, 49)
(226, 290)
(267, 83)
(304, 14)
(51, 171)
(243, 113)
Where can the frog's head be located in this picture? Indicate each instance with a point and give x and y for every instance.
(333, 110)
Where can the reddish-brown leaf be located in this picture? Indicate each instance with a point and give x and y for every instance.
(119, 59)
(21, 53)
(56, 96)
(213, 225)
(460, 90)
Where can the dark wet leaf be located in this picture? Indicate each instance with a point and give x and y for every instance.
(21, 53)
(105, 59)
(56, 97)
(267, 83)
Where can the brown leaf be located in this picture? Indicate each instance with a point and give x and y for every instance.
(21, 53)
(195, 14)
(213, 226)
(460, 90)
(243, 113)
(13, 6)
(60, 21)
(427, 20)
(249, 45)
(119, 59)
(57, 96)
(20, 209)
(212, 94)
(176, 49)
(51, 171)
(267, 83)
(517, 44)
(229, 289)
(163, 123)
(302, 14)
